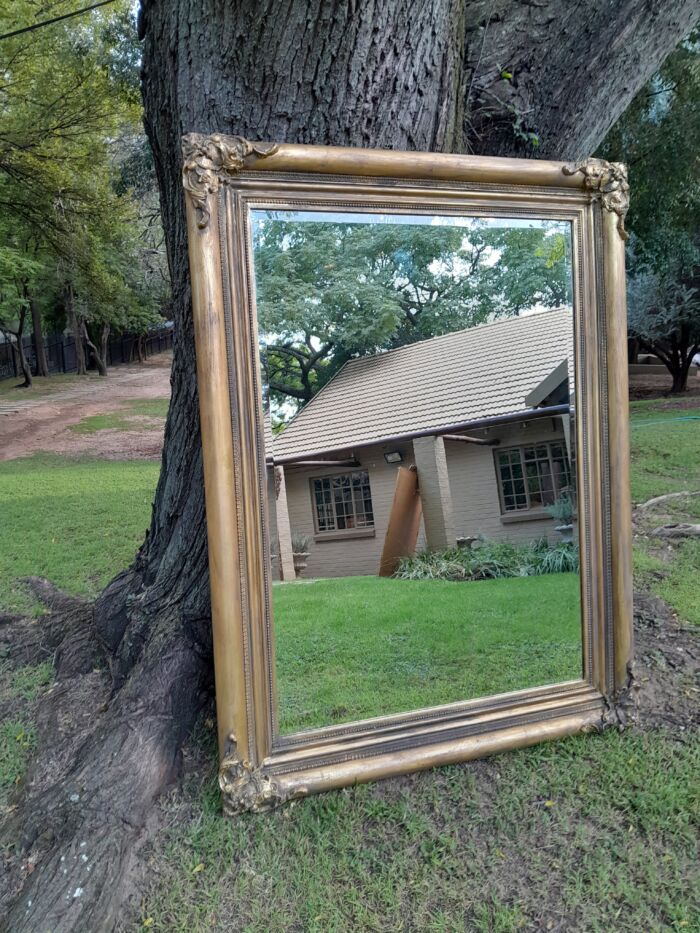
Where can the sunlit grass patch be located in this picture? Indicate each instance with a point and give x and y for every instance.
(137, 415)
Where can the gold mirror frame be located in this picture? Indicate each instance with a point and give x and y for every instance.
(223, 178)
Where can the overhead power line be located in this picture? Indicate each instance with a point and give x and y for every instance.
(56, 19)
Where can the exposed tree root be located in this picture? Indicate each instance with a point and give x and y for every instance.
(658, 500)
(106, 753)
(676, 530)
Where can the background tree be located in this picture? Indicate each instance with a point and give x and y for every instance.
(659, 138)
(664, 309)
(69, 138)
(426, 76)
(18, 272)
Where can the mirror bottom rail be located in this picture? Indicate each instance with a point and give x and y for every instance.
(289, 775)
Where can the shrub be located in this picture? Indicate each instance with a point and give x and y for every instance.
(491, 560)
(562, 510)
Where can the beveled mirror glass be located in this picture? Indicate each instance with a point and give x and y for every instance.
(414, 449)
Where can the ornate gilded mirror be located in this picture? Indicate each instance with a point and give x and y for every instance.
(412, 378)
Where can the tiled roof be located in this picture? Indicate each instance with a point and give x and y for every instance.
(467, 375)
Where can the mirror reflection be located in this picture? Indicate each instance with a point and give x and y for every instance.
(419, 399)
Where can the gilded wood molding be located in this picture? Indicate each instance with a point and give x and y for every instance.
(206, 158)
(607, 182)
(224, 179)
(246, 788)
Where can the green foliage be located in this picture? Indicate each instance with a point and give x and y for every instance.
(562, 510)
(328, 291)
(491, 560)
(659, 138)
(70, 118)
(300, 543)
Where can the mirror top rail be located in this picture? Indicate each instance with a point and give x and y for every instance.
(208, 158)
(234, 153)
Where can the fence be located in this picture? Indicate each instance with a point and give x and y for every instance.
(61, 355)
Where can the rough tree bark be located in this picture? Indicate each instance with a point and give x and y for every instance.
(408, 74)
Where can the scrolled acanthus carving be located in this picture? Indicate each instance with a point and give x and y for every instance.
(246, 789)
(607, 181)
(207, 158)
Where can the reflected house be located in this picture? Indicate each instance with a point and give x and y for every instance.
(482, 415)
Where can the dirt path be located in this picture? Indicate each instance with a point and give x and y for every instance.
(29, 424)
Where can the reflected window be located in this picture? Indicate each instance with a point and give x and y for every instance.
(533, 477)
(342, 502)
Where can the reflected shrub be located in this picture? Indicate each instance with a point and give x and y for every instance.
(490, 560)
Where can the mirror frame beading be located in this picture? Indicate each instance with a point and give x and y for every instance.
(223, 178)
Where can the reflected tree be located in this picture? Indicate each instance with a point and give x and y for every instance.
(329, 291)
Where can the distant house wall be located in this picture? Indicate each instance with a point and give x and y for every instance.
(475, 498)
(348, 555)
(474, 490)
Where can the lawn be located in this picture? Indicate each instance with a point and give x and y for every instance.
(665, 459)
(591, 835)
(665, 446)
(356, 647)
(76, 522)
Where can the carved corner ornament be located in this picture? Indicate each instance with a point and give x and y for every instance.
(607, 182)
(621, 709)
(207, 158)
(246, 789)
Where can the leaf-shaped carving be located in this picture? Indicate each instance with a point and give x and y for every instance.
(607, 181)
(207, 158)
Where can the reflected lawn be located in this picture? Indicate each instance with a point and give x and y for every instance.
(354, 647)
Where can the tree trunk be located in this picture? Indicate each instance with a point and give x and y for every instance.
(18, 349)
(99, 355)
(42, 365)
(397, 74)
(76, 329)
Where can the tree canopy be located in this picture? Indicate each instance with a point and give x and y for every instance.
(70, 200)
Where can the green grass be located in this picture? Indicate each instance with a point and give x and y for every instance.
(139, 415)
(673, 578)
(593, 834)
(77, 522)
(666, 453)
(30, 681)
(666, 458)
(356, 647)
(18, 687)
